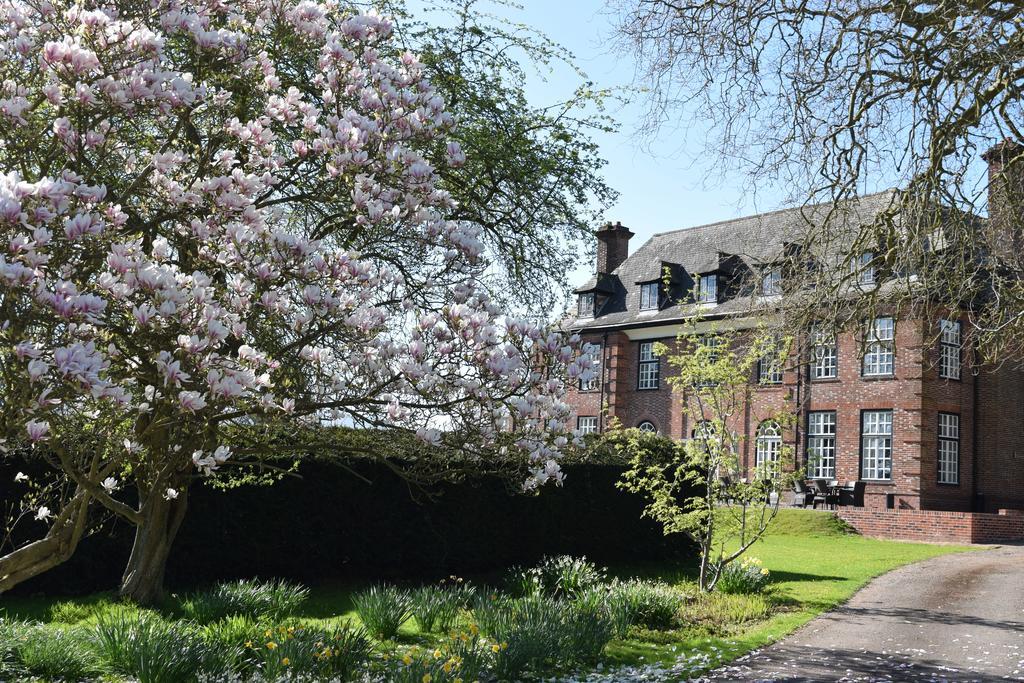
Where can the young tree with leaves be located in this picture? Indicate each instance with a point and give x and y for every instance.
(696, 487)
(221, 218)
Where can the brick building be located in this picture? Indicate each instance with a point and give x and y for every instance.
(915, 420)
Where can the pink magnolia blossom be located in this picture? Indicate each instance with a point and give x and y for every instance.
(227, 306)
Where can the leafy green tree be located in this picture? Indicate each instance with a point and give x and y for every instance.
(695, 487)
(532, 179)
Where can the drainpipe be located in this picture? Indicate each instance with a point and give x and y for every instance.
(604, 368)
(976, 371)
(800, 370)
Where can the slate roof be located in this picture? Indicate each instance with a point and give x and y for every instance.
(744, 243)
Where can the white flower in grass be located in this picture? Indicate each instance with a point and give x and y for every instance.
(20, 477)
(170, 494)
(43, 513)
(109, 484)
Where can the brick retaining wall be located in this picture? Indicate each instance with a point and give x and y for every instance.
(935, 525)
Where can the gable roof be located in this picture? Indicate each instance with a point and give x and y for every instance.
(750, 242)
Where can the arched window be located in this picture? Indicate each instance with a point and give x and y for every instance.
(647, 426)
(769, 446)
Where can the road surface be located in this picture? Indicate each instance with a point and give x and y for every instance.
(957, 617)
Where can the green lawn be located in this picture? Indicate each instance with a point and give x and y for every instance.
(815, 564)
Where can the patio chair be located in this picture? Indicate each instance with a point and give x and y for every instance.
(823, 494)
(802, 496)
(853, 494)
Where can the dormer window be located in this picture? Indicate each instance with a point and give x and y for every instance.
(707, 289)
(864, 267)
(585, 307)
(771, 282)
(649, 296)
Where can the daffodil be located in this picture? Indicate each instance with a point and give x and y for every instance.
(427, 678)
(286, 661)
(271, 645)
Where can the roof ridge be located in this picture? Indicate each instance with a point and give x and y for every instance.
(764, 214)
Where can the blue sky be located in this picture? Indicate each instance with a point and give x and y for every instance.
(663, 183)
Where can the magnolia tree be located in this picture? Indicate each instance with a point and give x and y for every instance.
(696, 486)
(218, 216)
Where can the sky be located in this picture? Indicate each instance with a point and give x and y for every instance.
(663, 184)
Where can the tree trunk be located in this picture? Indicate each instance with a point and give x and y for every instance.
(55, 548)
(143, 580)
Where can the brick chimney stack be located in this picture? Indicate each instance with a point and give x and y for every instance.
(1006, 194)
(612, 246)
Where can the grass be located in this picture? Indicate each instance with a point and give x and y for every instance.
(815, 564)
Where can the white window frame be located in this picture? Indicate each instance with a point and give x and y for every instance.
(707, 289)
(948, 456)
(865, 268)
(648, 367)
(586, 424)
(770, 370)
(583, 311)
(712, 342)
(880, 351)
(771, 282)
(821, 444)
(824, 355)
(648, 427)
(876, 428)
(650, 296)
(768, 447)
(950, 344)
(594, 383)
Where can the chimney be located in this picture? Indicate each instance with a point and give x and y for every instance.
(1006, 194)
(612, 246)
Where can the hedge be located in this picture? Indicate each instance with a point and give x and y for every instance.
(330, 525)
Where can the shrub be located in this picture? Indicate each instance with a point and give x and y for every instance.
(535, 632)
(563, 576)
(383, 609)
(436, 608)
(464, 657)
(142, 645)
(526, 632)
(72, 612)
(645, 603)
(747, 576)
(54, 653)
(274, 600)
(720, 612)
(585, 630)
(229, 636)
(339, 653)
(11, 635)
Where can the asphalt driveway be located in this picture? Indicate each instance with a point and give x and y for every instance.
(957, 617)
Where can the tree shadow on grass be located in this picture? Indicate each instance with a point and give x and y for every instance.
(779, 576)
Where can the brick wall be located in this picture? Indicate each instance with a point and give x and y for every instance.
(914, 393)
(936, 525)
(1001, 437)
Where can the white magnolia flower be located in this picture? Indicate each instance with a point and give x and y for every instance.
(20, 476)
(170, 494)
(43, 513)
(109, 484)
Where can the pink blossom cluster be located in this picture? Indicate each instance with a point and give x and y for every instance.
(180, 242)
